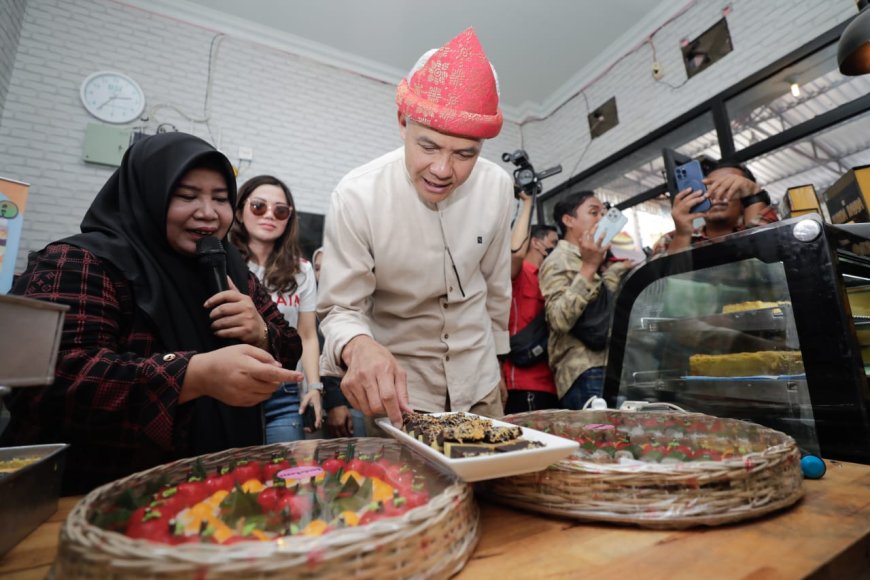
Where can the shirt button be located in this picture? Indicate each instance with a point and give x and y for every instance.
(450, 289)
(446, 336)
(447, 358)
(169, 357)
(445, 305)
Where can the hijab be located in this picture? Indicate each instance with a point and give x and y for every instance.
(126, 226)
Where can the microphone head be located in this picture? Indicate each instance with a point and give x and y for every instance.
(210, 250)
(212, 260)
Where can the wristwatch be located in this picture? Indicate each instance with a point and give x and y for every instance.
(755, 198)
(316, 386)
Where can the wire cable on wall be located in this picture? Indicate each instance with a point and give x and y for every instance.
(649, 39)
(588, 143)
(214, 49)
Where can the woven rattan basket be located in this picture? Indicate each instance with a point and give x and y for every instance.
(673, 495)
(433, 541)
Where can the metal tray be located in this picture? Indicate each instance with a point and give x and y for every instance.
(764, 319)
(29, 496)
(744, 389)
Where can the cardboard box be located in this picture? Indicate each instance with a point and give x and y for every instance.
(800, 200)
(847, 199)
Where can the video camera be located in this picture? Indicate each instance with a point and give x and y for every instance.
(525, 177)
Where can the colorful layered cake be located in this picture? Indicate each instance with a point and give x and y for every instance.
(263, 501)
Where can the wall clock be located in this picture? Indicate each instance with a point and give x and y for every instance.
(112, 97)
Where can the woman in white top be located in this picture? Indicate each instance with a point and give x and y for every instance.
(266, 232)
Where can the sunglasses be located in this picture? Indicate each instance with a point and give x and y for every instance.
(279, 210)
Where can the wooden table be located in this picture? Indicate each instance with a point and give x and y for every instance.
(827, 535)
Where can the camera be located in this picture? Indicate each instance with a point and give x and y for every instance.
(525, 177)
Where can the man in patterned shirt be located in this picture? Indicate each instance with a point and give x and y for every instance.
(571, 278)
(738, 203)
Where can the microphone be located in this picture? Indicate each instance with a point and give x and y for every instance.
(212, 259)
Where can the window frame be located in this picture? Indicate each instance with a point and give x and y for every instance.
(716, 106)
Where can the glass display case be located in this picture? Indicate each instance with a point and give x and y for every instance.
(757, 326)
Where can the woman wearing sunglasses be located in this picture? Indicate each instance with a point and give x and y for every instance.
(266, 232)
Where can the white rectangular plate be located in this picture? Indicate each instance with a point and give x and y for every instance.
(497, 465)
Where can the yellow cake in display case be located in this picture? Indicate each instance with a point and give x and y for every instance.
(751, 305)
(859, 300)
(745, 364)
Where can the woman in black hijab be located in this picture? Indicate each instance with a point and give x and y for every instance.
(151, 366)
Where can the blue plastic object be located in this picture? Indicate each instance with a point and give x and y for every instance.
(813, 467)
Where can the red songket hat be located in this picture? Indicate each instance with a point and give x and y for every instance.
(455, 91)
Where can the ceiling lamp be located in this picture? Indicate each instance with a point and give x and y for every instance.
(853, 50)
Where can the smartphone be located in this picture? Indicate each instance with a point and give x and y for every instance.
(309, 418)
(691, 175)
(610, 225)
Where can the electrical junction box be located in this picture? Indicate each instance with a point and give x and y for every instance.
(105, 144)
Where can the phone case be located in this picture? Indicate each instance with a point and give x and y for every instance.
(610, 225)
(309, 418)
(691, 175)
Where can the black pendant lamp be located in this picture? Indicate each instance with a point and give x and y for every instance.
(853, 50)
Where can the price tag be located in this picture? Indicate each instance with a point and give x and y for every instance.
(302, 472)
(598, 427)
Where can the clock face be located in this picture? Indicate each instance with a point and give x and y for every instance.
(112, 97)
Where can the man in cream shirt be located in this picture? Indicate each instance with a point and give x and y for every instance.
(415, 285)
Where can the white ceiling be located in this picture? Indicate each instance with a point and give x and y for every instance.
(543, 50)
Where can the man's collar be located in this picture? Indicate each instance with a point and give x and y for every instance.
(569, 247)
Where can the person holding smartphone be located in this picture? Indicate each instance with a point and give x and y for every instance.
(737, 202)
(572, 278)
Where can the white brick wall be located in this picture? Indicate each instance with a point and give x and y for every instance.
(11, 15)
(761, 33)
(309, 123)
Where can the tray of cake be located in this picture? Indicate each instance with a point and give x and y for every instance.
(337, 508)
(659, 469)
(749, 316)
(477, 448)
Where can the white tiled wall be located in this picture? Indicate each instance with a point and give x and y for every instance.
(761, 33)
(307, 122)
(11, 14)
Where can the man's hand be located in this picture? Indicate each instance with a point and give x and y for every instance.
(724, 188)
(240, 375)
(234, 315)
(681, 210)
(339, 422)
(592, 252)
(374, 383)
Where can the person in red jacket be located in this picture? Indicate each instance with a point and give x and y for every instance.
(529, 388)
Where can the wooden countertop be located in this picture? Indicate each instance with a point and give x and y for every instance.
(826, 535)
